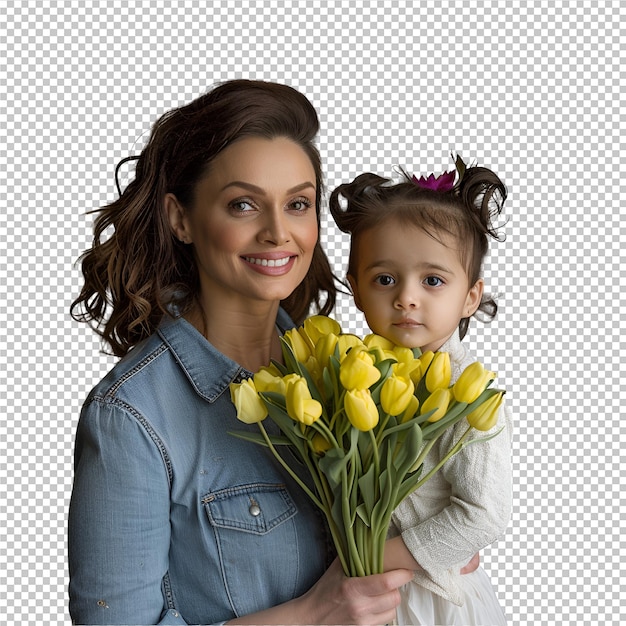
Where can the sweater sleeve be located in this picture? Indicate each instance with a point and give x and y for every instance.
(479, 506)
(119, 529)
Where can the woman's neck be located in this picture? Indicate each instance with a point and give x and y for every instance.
(248, 337)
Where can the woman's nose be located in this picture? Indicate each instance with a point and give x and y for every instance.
(275, 228)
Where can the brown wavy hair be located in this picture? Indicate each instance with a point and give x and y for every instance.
(466, 212)
(142, 273)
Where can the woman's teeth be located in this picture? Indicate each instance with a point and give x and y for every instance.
(268, 262)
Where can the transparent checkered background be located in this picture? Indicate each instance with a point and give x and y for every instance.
(530, 89)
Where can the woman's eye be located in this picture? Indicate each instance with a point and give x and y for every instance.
(433, 281)
(301, 204)
(384, 280)
(241, 206)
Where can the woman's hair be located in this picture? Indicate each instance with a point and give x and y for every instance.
(465, 211)
(142, 271)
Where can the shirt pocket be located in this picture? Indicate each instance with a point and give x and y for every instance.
(255, 528)
(256, 508)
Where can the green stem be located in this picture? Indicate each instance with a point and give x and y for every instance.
(320, 426)
(381, 429)
(423, 453)
(375, 452)
(457, 446)
(355, 560)
(322, 487)
(339, 400)
(289, 470)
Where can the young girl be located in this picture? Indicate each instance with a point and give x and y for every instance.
(415, 262)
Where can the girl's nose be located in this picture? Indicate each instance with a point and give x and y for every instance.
(406, 299)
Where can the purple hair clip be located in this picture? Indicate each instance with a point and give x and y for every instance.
(443, 182)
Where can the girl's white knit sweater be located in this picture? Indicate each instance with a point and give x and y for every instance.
(465, 506)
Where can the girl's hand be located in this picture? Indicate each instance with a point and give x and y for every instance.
(472, 565)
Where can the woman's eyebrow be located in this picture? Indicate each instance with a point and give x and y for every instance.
(261, 191)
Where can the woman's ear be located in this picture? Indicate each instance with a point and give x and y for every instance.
(355, 291)
(474, 298)
(177, 217)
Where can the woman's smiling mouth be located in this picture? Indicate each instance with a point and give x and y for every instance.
(268, 262)
(276, 266)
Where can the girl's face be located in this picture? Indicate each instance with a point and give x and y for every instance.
(253, 223)
(412, 289)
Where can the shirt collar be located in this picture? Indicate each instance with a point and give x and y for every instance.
(209, 371)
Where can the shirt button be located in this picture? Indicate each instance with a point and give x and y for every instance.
(255, 510)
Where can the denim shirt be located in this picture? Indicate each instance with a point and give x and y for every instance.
(172, 519)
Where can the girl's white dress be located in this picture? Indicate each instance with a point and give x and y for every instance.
(463, 508)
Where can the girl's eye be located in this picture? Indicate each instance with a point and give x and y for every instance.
(433, 281)
(384, 280)
(300, 204)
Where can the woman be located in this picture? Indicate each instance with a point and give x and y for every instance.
(215, 251)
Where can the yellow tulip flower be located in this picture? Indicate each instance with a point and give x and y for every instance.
(318, 326)
(472, 383)
(346, 342)
(320, 444)
(376, 341)
(313, 367)
(409, 369)
(361, 409)
(485, 416)
(269, 379)
(250, 407)
(324, 348)
(300, 346)
(439, 373)
(396, 394)
(300, 405)
(439, 400)
(357, 371)
(410, 410)
(425, 359)
(404, 355)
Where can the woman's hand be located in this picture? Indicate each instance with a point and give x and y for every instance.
(338, 599)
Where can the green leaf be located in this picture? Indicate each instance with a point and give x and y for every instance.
(315, 392)
(329, 388)
(367, 487)
(409, 450)
(385, 370)
(280, 367)
(332, 464)
(291, 363)
(458, 412)
(277, 440)
(455, 413)
(290, 428)
(364, 514)
(386, 482)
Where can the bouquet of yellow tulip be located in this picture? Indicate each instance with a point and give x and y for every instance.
(361, 415)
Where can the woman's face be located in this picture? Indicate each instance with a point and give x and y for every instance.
(253, 222)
